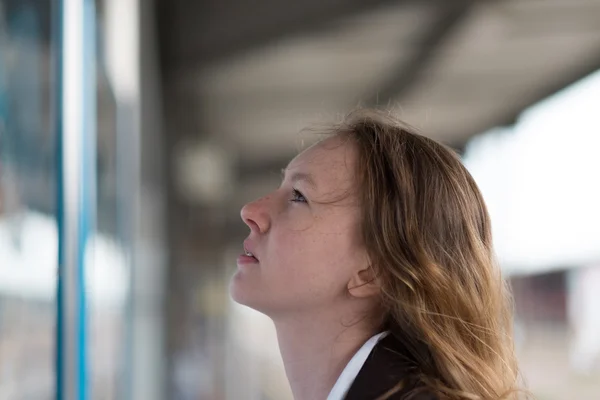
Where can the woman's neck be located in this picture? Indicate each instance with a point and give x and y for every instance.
(315, 351)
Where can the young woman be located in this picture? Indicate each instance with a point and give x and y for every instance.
(374, 260)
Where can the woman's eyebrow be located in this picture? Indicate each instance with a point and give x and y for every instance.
(300, 176)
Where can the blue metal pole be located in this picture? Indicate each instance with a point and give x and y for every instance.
(57, 114)
(76, 152)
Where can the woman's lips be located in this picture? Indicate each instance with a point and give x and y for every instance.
(244, 259)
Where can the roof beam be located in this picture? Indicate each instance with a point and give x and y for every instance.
(450, 16)
(510, 117)
(199, 32)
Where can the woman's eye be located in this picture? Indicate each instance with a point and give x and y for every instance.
(297, 197)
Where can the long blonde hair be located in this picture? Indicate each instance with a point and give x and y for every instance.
(427, 231)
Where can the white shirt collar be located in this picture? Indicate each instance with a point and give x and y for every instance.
(341, 387)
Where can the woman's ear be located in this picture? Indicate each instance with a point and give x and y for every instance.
(364, 283)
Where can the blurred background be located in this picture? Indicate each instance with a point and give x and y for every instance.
(194, 106)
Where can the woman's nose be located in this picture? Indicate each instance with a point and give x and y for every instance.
(256, 215)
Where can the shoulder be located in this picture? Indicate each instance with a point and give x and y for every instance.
(388, 372)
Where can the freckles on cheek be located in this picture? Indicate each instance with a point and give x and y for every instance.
(300, 222)
(290, 248)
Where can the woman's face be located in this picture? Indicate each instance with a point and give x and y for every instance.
(304, 236)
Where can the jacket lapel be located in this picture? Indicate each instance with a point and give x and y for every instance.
(384, 369)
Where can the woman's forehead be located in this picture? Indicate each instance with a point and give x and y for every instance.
(333, 149)
(330, 163)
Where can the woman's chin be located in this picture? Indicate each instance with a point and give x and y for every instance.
(241, 291)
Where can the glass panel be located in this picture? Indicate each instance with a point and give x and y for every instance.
(28, 237)
(107, 262)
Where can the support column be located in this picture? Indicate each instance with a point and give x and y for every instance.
(584, 318)
(133, 68)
